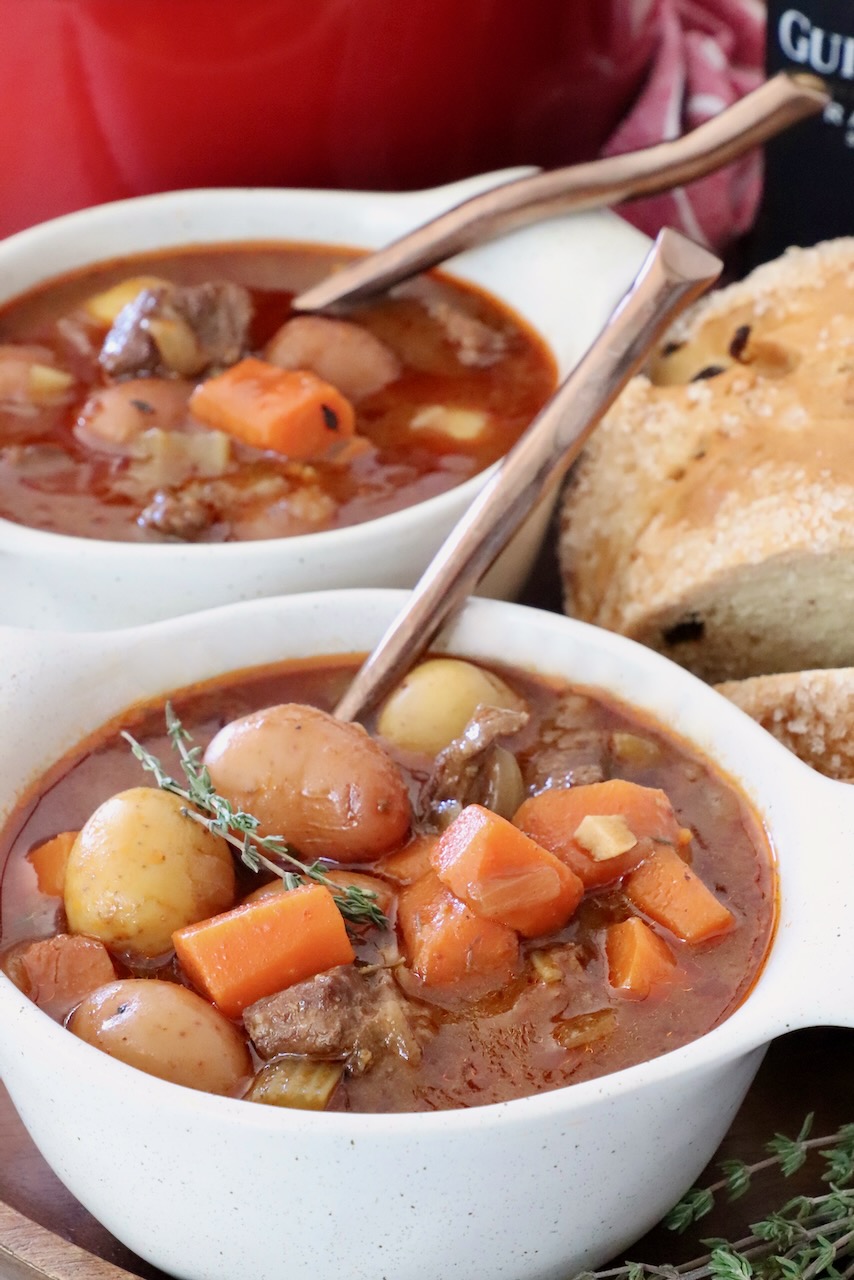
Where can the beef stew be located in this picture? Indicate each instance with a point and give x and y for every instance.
(510, 920)
(176, 398)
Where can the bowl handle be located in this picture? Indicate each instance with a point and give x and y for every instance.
(815, 941)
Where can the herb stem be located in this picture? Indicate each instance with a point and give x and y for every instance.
(241, 830)
(806, 1239)
(809, 1144)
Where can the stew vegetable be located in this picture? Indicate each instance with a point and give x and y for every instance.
(500, 886)
(177, 398)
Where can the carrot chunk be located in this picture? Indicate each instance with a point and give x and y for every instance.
(553, 819)
(450, 948)
(382, 892)
(669, 892)
(57, 973)
(49, 860)
(288, 411)
(411, 862)
(638, 959)
(505, 876)
(263, 946)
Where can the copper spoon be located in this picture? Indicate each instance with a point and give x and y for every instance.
(768, 110)
(673, 274)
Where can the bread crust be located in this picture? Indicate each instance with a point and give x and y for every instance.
(810, 712)
(714, 520)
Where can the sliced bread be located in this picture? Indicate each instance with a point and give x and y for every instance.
(712, 514)
(810, 712)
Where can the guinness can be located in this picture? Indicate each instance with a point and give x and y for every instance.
(809, 174)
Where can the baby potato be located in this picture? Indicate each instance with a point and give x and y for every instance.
(322, 784)
(165, 1030)
(140, 869)
(104, 307)
(433, 704)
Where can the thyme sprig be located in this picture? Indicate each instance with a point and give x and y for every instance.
(808, 1238)
(217, 814)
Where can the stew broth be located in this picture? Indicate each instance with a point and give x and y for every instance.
(560, 1018)
(463, 378)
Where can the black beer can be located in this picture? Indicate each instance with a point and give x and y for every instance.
(809, 170)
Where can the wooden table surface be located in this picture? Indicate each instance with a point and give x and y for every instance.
(804, 1071)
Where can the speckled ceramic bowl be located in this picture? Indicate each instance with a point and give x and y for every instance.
(563, 276)
(210, 1188)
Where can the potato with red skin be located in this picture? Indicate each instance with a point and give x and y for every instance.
(114, 417)
(320, 783)
(166, 1030)
(352, 358)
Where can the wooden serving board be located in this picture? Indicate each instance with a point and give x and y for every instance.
(44, 1232)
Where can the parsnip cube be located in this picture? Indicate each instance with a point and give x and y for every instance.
(171, 457)
(634, 750)
(605, 836)
(546, 967)
(459, 424)
(47, 384)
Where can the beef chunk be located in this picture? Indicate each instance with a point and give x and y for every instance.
(345, 1013)
(574, 750)
(578, 758)
(474, 769)
(178, 329)
(186, 514)
(477, 346)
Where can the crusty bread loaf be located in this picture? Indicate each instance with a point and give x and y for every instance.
(811, 712)
(713, 518)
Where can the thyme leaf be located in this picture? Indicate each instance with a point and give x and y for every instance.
(213, 811)
(808, 1238)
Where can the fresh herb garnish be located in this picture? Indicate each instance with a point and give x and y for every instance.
(211, 810)
(808, 1238)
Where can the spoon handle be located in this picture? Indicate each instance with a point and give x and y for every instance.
(773, 107)
(674, 272)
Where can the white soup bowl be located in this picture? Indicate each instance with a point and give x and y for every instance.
(563, 277)
(212, 1188)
